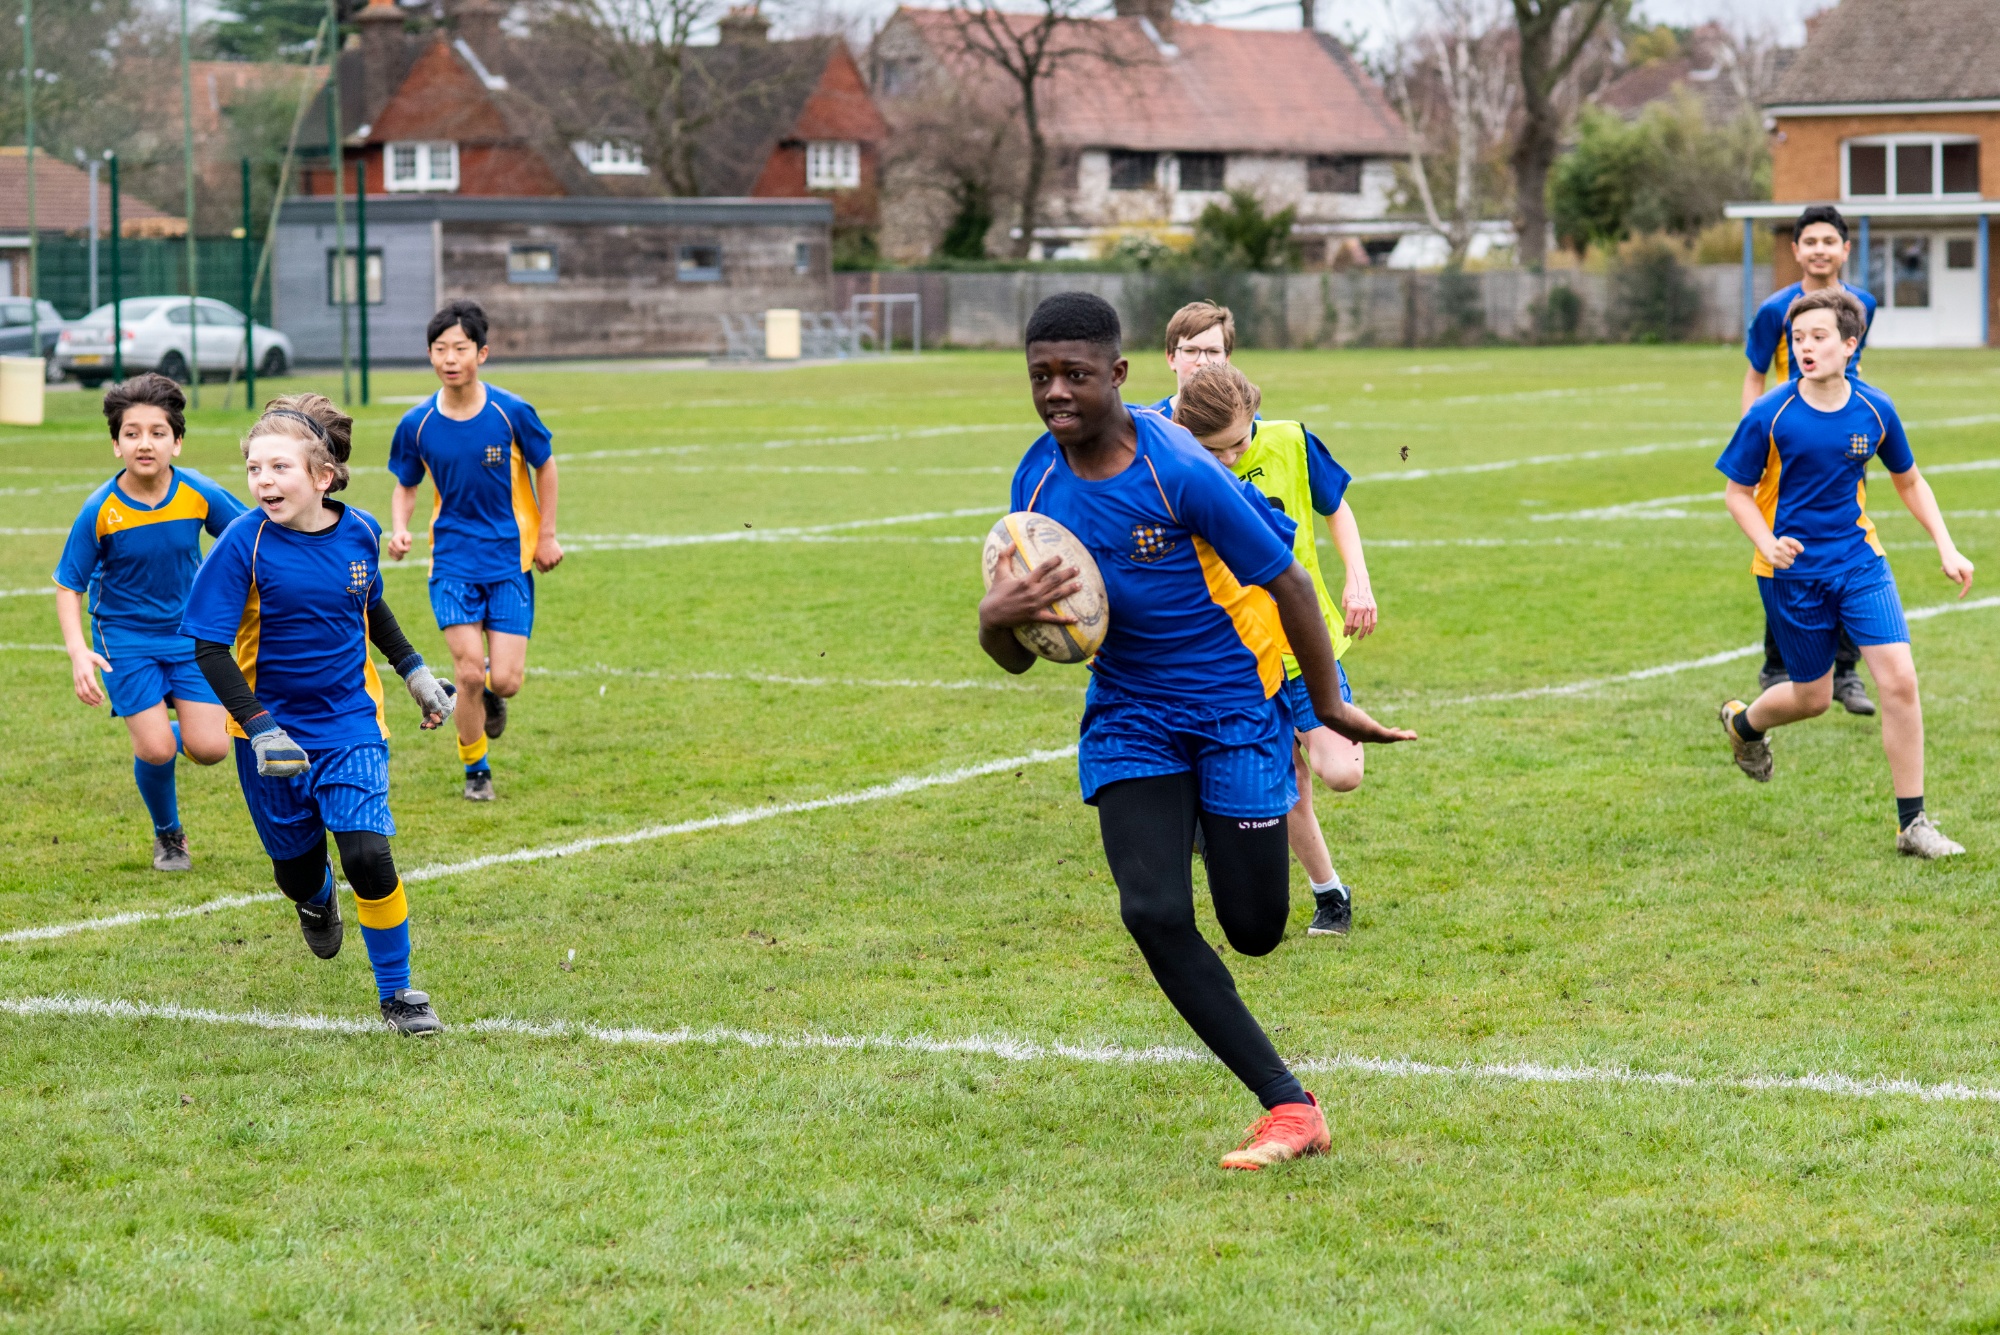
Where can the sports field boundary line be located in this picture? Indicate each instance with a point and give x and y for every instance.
(1015, 1050)
(911, 783)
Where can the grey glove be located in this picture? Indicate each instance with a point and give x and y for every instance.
(432, 696)
(278, 756)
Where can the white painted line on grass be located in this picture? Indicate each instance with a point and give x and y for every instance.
(902, 787)
(1533, 395)
(1660, 507)
(33, 648)
(639, 541)
(1536, 460)
(32, 532)
(1012, 1050)
(777, 679)
(798, 442)
(39, 591)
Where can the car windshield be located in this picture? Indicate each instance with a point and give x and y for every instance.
(134, 310)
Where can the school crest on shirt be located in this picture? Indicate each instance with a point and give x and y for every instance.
(1858, 445)
(357, 577)
(1150, 542)
(496, 455)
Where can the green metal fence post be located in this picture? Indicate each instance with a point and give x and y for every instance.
(249, 312)
(117, 282)
(361, 263)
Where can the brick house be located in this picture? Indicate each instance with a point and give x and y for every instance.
(1887, 114)
(1154, 120)
(465, 108)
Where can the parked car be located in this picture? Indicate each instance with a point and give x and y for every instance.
(16, 331)
(156, 335)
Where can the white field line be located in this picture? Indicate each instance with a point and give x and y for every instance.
(1661, 507)
(1534, 395)
(1012, 1050)
(1536, 460)
(775, 679)
(41, 590)
(896, 788)
(798, 442)
(836, 470)
(32, 532)
(636, 541)
(33, 648)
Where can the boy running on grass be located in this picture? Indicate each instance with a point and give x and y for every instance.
(493, 523)
(1815, 436)
(295, 588)
(1182, 727)
(1203, 334)
(134, 550)
(1819, 244)
(1219, 406)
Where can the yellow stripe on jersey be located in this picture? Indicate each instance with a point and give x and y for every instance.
(391, 910)
(249, 631)
(1254, 614)
(116, 515)
(527, 510)
(1864, 523)
(1767, 488)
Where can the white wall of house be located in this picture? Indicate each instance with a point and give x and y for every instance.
(1279, 180)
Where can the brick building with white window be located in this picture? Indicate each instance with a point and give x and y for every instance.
(1886, 114)
(1150, 121)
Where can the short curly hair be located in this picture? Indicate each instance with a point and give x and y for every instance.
(1076, 317)
(151, 389)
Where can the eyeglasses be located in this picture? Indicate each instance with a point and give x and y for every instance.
(1200, 356)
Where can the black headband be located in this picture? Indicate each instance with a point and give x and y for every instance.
(298, 416)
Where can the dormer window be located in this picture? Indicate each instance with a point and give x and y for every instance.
(423, 166)
(610, 157)
(833, 164)
(1903, 166)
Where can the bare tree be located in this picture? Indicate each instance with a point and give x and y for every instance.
(1553, 35)
(1453, 83)
(1748, 54)
(1026, 48)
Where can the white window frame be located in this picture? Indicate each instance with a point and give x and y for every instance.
(833, 164)
(1890, 143)
(610, 157)
(436, 164)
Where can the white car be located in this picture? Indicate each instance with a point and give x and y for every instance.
(157, 338)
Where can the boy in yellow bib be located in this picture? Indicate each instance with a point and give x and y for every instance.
(1219, 406)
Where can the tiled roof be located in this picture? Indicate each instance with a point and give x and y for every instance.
(62, 196)
(1898, 51)
(1207, 88)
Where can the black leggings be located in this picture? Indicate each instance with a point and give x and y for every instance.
(1148, 829)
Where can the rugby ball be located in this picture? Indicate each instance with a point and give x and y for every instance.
(1035, 538)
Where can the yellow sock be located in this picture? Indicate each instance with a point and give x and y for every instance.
(472, 752)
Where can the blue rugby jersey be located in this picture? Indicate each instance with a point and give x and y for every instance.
(1810, 469)
(136, 562)
(486, 521)
(1323, 473)
(1770, 336)
(1182, 545)
(295, 605)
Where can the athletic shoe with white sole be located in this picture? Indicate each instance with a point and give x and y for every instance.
(409, 1012)
(1333, 912)
(1289, 1131)
(479, 787)
(1753, 758)
(321, 926)
(1852, 693)
(170, 850)
(1921, 839)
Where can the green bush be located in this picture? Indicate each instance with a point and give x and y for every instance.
(1240, 235)
(1558, 318)
(1652, 300)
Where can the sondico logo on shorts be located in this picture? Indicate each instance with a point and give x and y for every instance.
(496, 455)
(1150, 542)
(1857, 446)
(357, 577)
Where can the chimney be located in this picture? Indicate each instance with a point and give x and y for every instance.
(381, 27)
(1160, 13)
(743, 26)
(478, 24)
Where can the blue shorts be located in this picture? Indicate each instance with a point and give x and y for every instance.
(1300, 703)
(506, 605)
(135, 684)
(1241, 754)
(1806, 615)
(347, 789)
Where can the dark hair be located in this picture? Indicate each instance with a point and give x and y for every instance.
(467, 314)
(328, 433)
(1075, 317)
(151, 388)
(1820, 213)
(1848, 316)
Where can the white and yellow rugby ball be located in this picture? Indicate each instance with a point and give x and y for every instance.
(1035, 539)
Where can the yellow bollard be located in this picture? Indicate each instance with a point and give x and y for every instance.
(781, 335)
(21, 390)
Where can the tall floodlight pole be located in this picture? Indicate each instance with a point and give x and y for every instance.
(361, 264)
(187, 154)
(117, 279)
(341, 285)
(94, 165)
(34, 241)
(249, 301)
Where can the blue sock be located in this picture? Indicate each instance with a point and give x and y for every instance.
(325, 890)
(156, 789)
(176, 726)
(389, 956)
(478, 766)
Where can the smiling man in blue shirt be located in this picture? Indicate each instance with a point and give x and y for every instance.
(1812, 439)
(494, 522)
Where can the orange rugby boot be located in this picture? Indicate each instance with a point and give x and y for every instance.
(1289, 1131)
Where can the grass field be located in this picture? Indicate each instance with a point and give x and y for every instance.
(1564, 896)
